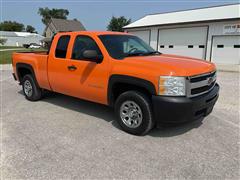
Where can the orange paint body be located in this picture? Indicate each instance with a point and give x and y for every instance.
(90, 80)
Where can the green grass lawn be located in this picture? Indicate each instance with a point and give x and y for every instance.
(6, 56)
(10, 47)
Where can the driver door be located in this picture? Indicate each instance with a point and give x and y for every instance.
(78, 76)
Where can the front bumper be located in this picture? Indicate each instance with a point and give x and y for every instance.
(182, 109)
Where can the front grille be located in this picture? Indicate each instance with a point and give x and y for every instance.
(202, 77)
(202, 89)
(201, 84)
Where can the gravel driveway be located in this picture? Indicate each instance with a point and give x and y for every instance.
(61, 137)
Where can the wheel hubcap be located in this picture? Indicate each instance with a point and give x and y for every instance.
(131, 114)
(28, 88)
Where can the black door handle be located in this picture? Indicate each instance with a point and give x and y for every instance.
(72, 68)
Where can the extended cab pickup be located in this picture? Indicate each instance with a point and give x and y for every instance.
(146, 88)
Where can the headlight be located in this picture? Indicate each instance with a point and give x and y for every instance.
(172, 86)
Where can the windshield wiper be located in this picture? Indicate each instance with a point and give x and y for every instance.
(152, 53)
(143, 53)
(135, 54)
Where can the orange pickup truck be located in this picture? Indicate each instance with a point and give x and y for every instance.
(145, 87)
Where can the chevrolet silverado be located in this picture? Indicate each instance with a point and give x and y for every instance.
(145, 87)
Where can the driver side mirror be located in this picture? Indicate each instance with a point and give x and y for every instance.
(92, 55)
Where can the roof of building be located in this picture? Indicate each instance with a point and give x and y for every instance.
(224, 12)
(67, 25)
(19, 34)
(97, 33)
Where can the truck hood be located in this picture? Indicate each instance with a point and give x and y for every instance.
(166, 64)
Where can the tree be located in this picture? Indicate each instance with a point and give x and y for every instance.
(47, 14)
(117, 23)
(30, 29)
(11, 26)
(3, 41)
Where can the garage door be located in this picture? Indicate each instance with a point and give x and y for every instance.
(226, 50)
(144, 35)
(183, 41)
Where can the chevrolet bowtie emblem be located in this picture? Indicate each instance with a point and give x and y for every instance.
(210, 80)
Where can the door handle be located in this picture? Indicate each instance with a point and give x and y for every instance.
(72, 68)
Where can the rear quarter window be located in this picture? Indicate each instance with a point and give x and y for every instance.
(62, 45)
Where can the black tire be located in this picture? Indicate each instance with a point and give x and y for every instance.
(144, 103)
(36, 94)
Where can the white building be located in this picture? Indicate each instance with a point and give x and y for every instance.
(211, 33)
(20, 38)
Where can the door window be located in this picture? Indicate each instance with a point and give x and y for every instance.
(83, 43)
(62, 45)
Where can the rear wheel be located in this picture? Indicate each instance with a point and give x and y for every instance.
(134, 113)
(30, 88)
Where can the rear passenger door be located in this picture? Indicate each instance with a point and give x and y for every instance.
(58, 65)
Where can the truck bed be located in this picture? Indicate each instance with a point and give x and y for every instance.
(33, 52)
(37, 60)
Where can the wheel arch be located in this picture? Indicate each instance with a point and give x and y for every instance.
(22, 69)
(122, 83)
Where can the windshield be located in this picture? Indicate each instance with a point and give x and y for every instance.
(121, 46)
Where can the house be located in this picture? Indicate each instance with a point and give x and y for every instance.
(211, 33)
(57, 25)
(20, 38)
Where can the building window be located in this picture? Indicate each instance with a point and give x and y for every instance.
(190, 46)
(201, 46)
(170, 46)
(236, 46)
(162, 46)
(62, 45)
(220, 46)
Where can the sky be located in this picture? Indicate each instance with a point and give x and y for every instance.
(95, 14)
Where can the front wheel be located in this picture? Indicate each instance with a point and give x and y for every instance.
(30, 88)
(134, 113)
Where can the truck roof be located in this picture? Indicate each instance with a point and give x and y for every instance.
(95, 33)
